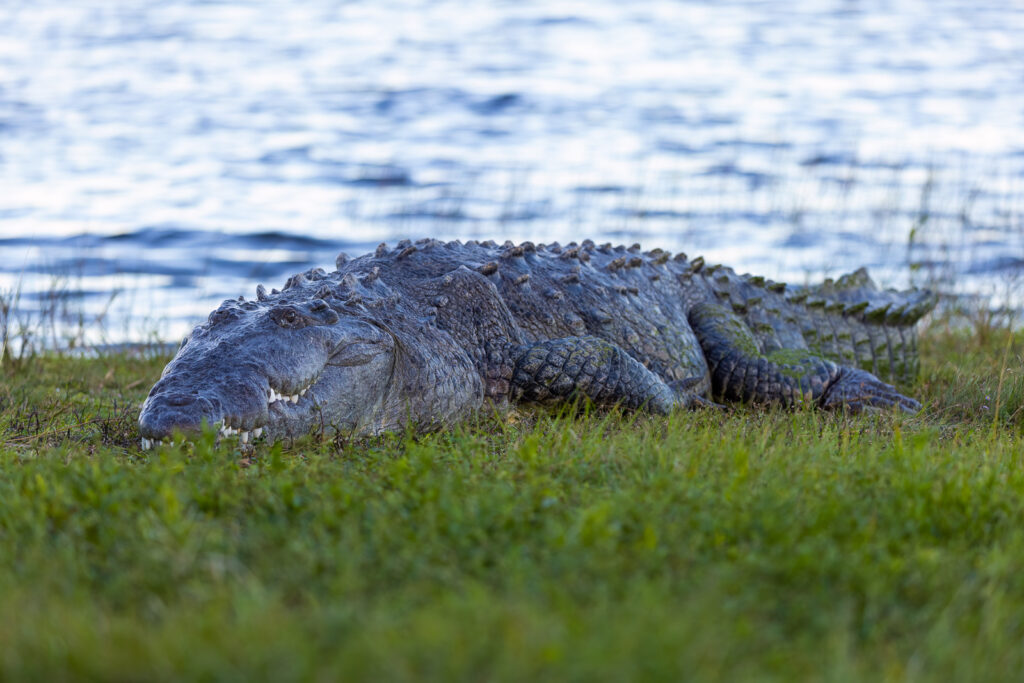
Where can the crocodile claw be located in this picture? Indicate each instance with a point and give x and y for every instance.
(688, 394)
(706, 403)
(856, 390)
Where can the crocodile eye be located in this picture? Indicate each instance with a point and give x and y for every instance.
(288, 317)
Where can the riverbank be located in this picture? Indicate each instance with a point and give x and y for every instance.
(746, 545)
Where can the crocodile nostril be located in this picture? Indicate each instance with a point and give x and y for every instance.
(179, 400)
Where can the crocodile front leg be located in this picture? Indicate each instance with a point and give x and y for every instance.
(560, 369)
(741, 372)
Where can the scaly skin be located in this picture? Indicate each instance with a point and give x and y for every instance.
(424, 334)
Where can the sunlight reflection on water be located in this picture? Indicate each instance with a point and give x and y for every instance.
(788, 139)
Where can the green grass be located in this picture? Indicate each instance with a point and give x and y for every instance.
(747, 545)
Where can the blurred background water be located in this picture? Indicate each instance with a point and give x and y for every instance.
(159, 156)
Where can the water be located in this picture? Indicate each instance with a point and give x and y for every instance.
(159, 156)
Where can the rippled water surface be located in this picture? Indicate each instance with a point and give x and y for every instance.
(157, 157)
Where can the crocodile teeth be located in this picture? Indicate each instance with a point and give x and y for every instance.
(224, 430)
(274, 395)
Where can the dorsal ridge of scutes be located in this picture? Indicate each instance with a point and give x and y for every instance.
(349, 285)
(311, 275)
(877, 307)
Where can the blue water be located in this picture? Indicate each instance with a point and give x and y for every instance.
(159, 156)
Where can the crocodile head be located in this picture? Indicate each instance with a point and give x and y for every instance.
(280, 366)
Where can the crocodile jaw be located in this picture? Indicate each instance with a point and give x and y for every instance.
(252, 383)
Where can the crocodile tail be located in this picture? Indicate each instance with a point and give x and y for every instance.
(851, 321)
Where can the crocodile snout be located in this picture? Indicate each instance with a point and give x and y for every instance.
(164, 414)
(178, 400)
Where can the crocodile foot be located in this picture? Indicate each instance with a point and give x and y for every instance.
(701, 402)
(690, 393)
(856, 390)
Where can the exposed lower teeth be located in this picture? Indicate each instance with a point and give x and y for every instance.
(225, 431)
(243, 435)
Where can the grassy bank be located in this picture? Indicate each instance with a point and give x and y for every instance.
(749, 545)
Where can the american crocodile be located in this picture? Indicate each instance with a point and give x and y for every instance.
(424, 334)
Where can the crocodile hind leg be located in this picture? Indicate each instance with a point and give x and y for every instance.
(556, 370)
(740, 371)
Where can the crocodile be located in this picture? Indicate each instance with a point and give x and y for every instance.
(424, 334)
